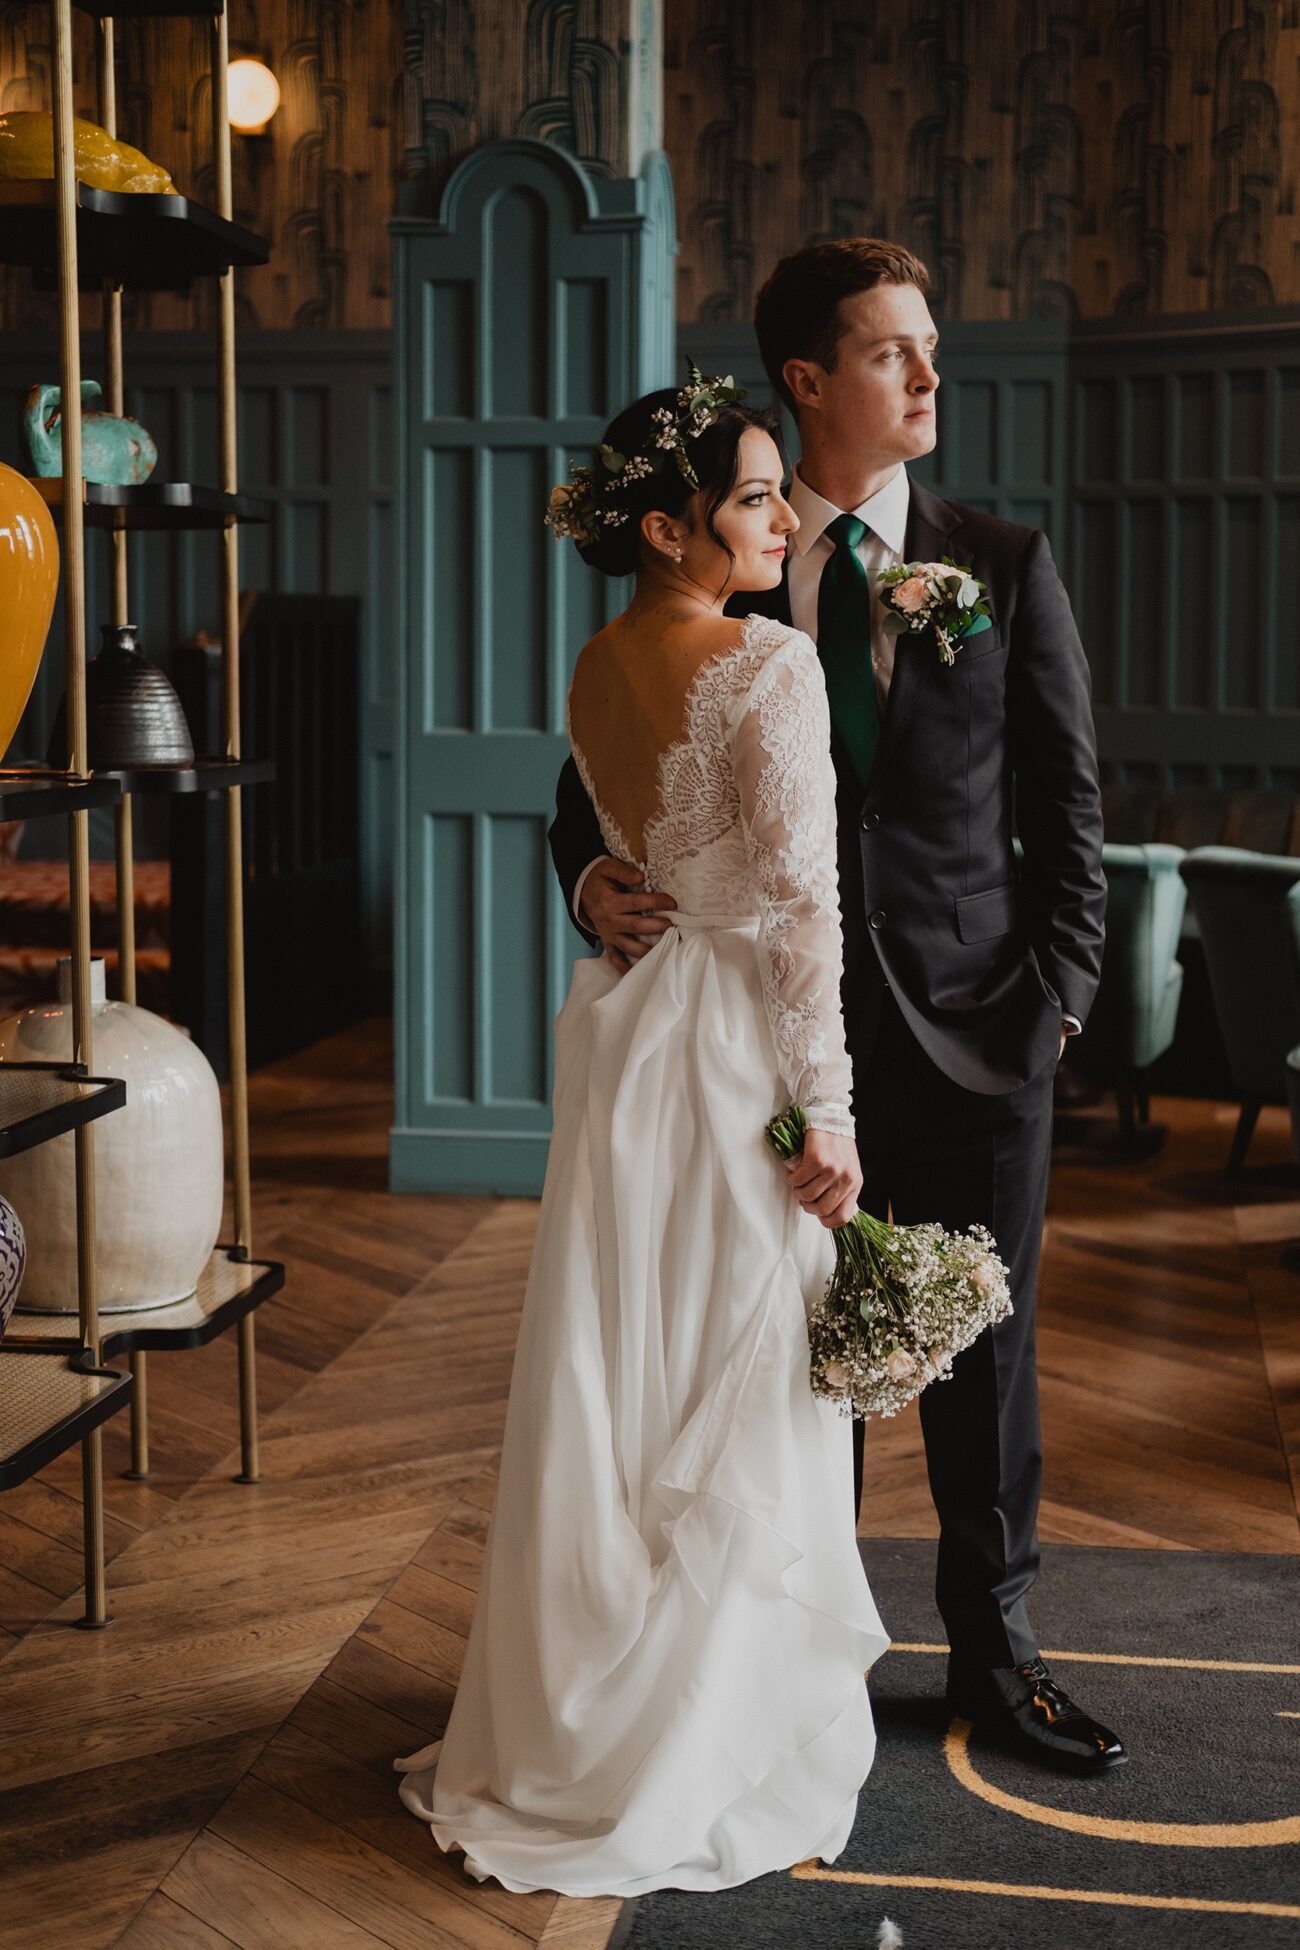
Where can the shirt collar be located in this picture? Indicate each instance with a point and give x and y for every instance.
(885, 511)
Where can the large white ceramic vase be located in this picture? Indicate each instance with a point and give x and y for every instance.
(159, 1161)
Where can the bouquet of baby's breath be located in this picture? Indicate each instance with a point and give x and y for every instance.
(902, 1301)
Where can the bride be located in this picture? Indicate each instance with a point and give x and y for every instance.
(663, 1686)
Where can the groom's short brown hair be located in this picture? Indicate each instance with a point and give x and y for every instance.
(796, 314)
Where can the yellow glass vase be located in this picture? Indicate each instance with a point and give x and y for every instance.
(29, 579)
(101, 159)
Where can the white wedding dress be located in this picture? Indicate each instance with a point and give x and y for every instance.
(663, 1685)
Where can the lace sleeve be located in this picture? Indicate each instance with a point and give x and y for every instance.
(786, 783)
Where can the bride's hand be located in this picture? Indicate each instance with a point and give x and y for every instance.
(826, 1177)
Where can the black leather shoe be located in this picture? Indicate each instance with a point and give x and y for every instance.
(1025, 1704)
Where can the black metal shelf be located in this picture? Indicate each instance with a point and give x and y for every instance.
(205, 775)
(228, 1289)
(151, 9)
(50, 1399)
(31, 792)
(154, 504)
(151, 243)
(39, 1101)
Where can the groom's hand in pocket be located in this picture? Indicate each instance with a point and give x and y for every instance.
(622, 912)
(826, 1177)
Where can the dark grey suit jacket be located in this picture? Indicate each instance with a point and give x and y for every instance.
(982, 952)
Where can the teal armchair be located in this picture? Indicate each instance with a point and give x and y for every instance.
(1248, 920)
(1131, 1022)
(1291, 1257)
(1293, 1059)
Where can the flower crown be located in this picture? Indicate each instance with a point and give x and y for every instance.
(582, 507)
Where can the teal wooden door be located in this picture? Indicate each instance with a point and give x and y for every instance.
(537, 304)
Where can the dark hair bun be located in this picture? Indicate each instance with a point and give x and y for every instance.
(617, 551)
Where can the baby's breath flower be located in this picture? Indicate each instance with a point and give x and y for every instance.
(900, 1304)
(943, 595)
(578, 509)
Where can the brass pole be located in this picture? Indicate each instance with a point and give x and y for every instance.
(240, 1172)
(125, 898)
(113, 363)
(107, 77)
(113, 366)
(139, 1417)
(74, 610)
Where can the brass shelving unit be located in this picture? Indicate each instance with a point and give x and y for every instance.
(58, 1392)
(114, 240)
(229, 1288)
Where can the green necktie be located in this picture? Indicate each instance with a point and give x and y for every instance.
(844, 645)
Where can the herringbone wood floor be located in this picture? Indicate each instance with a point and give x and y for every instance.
(215, 1768)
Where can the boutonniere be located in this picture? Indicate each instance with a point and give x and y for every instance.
(943, 593)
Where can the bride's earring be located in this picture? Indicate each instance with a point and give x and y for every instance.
(677, 555)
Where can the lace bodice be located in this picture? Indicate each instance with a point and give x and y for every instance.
(745, 825)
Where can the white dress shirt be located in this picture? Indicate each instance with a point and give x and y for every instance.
(885, 513)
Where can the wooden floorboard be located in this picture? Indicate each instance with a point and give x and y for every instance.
(360, 1798)
(163, 1925)
(216, 1769)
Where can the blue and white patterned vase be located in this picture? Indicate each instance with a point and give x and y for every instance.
(13, 1260)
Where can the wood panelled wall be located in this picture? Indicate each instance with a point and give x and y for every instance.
(522, 317)
(316, 441)
(1046, 158)
(1163, 461)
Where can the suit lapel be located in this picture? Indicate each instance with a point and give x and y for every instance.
(930, 525)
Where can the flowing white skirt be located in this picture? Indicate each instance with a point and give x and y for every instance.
(663, 1686)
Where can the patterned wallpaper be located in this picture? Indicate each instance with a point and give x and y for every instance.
(584, 74)
(320, 183)
(1190, 119)
(1047, 158)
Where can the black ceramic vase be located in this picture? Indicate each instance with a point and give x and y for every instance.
(133, 715)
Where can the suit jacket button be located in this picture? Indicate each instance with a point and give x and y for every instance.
(870, 821)
(877, 920)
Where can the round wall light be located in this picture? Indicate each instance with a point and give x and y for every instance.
(253, 95)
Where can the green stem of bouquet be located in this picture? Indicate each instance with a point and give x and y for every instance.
(863, 1244)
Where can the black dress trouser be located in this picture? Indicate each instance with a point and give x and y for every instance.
(931, 1150)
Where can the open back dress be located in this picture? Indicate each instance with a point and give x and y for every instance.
(663, 1685)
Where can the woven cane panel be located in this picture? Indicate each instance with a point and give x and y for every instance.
(24, 1093)
(37, 1392)
(222, 1279)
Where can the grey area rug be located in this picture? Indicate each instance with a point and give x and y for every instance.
(1210, 1747)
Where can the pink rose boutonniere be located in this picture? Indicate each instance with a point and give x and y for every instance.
(917, 594)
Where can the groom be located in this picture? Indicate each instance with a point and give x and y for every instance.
(964, 970)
